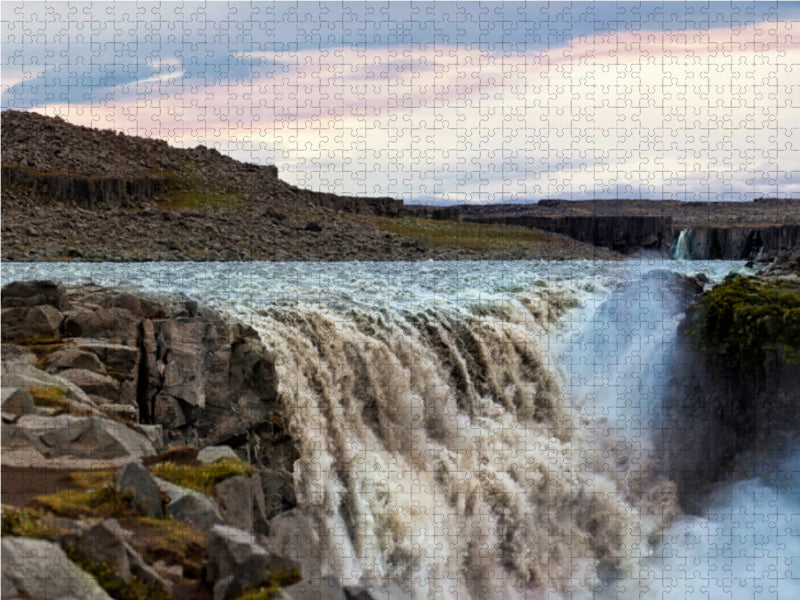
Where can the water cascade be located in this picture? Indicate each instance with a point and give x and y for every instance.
(681, 247)
(489, 430)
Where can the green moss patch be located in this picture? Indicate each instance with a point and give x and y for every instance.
(272, 586)
(98, 498)
(202, 478)
(50, 397)
(743, 319)
(116, 587)
(27, 522)
(481, 237)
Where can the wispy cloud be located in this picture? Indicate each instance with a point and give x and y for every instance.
(691, 114)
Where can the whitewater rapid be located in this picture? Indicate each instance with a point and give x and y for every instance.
(488, 429)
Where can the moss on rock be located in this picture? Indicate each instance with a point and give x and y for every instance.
(749, 321)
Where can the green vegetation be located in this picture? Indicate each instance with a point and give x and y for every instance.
(481, 237)
(271, 587)
(27, 522)
(744, 319)
(97, 498)
(173, 543)
(50, 397)
(108, 578)
(202, 478)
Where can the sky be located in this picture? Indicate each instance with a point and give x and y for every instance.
(436, 102)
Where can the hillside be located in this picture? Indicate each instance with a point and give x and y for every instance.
(71, 192)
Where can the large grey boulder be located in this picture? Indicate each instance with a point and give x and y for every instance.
(236, 561)
(93, 383)
(29, 377)
(16, 402)
(211, 454)
(35, 322)
(107, 542)
(189, 506)
(33, 293)
(72, 357)
(241, 502)
(40, 569)
(110, 324)
(133, 478)
(86, 437)
(327, 587)
(120, 358)
(292, 536)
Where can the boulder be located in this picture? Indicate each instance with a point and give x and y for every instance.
(196, 510)
(133, 478)
(72, 357)
(327, 587)
(241, 502)
(14, 354)
(191, 354)
(40, 569)
(119, 358)
(41, 322)
(86, 437)
(189, 506)
(154, 433)
(93, 383)
(211, 454)
(236, 561)
(29, 377)
(109, 324)
(105, 542)
(33, 293)
(291, 536)
(17, 402)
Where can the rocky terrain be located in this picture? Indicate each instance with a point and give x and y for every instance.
(714, 230)
(738, 374)
(144, 453)
(75, 193)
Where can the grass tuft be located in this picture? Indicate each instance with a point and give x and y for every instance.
(27, 522)
(202, 478)
(272, 586)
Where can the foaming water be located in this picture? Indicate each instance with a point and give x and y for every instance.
(488, 429)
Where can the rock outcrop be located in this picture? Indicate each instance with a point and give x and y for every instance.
(111, 356)
(741, 243)
(738, 374)
(40, 569)
(624, 234)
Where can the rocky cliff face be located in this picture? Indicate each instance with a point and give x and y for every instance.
(197, 377)
(622, 233)
(738, 376)
(741, 243)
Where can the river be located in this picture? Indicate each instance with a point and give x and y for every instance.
(490, 429)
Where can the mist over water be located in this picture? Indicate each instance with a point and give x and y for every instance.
(490, 429)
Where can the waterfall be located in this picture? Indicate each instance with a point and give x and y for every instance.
(441, 451)
(490, 429)
(681, 247)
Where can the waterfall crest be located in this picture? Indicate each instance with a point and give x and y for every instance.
(438, 449)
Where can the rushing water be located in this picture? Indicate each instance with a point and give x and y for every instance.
(488, 429)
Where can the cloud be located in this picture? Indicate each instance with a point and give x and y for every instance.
(676, 114)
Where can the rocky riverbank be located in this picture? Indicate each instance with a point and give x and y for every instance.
(143, 443)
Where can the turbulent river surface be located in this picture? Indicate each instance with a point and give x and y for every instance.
(490, 429)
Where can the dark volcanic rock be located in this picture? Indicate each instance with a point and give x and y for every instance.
(738, 377)
(34, 293)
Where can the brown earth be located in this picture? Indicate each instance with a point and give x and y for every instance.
(74, 192)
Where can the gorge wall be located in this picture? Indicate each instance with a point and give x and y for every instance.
(737, 377)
